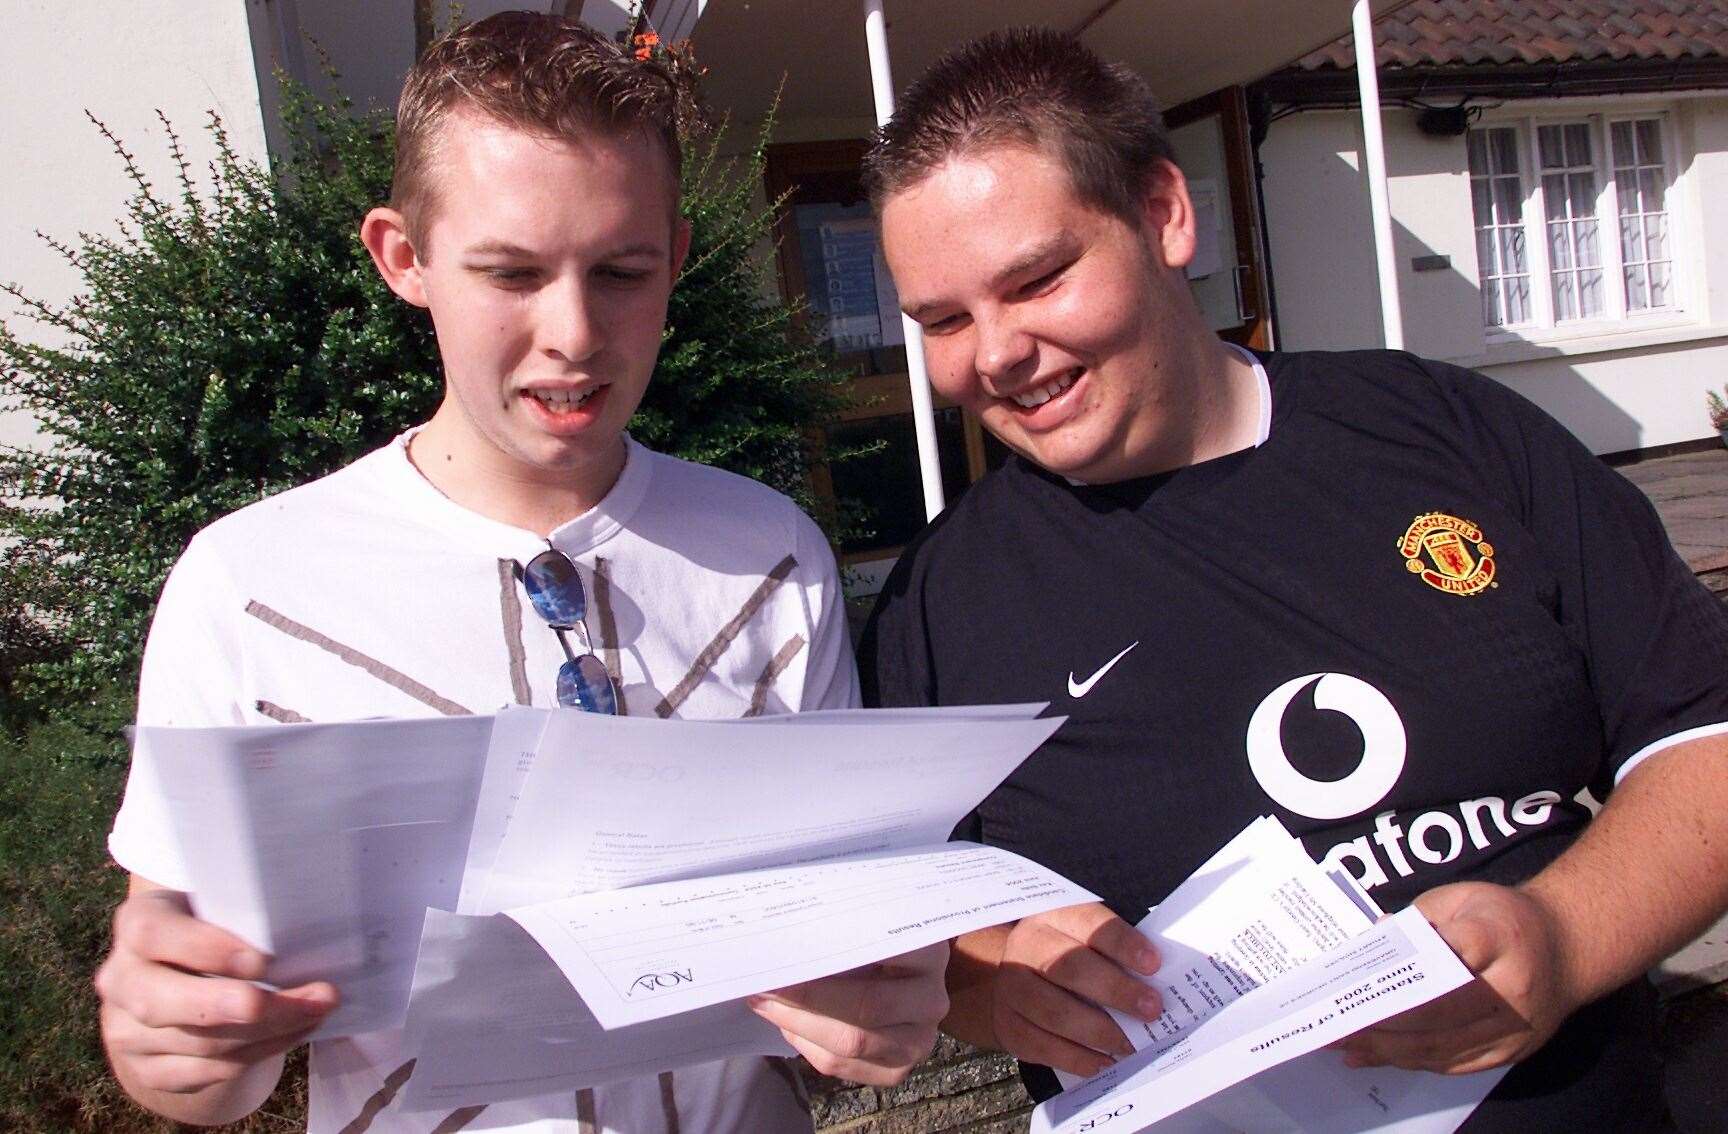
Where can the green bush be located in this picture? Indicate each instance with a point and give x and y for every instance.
(235, 340)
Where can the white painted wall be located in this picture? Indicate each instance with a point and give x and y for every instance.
(121, 62)
(1616, 392)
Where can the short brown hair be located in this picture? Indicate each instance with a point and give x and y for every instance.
(540, 73)
(1034, 87)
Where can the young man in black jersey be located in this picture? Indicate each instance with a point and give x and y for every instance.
(1384, 599)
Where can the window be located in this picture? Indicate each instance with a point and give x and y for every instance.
(1572, 221)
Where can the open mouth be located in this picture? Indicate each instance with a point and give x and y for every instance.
(1037, 396)
(563, 401)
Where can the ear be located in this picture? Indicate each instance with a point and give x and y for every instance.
(680, 244)
(384, 232)
(1167, 216)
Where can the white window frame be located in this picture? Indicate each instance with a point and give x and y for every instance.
(1542, 326)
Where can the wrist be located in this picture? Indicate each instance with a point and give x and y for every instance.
(1575, 974)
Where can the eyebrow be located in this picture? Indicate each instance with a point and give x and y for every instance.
(516, 251)
(1033, 257)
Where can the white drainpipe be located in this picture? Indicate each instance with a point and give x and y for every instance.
(923, 410)
(1374, 152)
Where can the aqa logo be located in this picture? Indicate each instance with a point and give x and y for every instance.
(1448, 554)
(661, 982)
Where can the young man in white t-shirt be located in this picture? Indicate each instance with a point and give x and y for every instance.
(534, 214)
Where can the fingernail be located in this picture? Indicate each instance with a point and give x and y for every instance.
(247, 964)
(1148, 960)
(1150, 1006)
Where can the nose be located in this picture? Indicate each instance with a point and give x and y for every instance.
(570, 325)
(1000, 349)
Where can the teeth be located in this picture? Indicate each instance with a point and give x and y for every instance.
(1042, 394)
(561, 399)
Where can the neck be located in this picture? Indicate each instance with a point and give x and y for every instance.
(1227, 403)
(475, 474)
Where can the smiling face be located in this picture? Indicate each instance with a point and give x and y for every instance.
(546, 266)
(1067, 331)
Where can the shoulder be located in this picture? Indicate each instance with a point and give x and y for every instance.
(992, 509)
(699, 511)
(1401, 398)
(1388, 380)
(302, 517)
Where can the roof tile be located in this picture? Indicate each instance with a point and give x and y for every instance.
(1440, 32)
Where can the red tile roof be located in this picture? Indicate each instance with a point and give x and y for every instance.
(1450, 33)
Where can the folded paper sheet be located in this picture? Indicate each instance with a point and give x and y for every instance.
(1263, 954)
(662, 870)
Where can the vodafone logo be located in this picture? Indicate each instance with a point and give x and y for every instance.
(1383, 748)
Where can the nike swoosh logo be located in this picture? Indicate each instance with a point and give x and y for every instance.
(1078, 689)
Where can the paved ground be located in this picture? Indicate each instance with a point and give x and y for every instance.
(1691, 493)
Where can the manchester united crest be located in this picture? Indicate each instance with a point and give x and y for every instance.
(1448, 553)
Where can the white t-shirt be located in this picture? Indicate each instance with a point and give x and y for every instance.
(370, 593)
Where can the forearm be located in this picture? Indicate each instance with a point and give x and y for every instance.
(1647, 876)
(215, 1105)
(972, 964)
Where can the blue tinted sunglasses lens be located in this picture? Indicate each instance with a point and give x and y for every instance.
(583, 683)
(555, 588)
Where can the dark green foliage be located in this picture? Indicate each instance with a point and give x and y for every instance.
(235, 340)
(738, 385)
(225, 346)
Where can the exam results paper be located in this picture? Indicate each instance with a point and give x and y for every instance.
(655, 871)
(1256, 920)
(731, 863)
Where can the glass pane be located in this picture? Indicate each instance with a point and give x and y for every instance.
(1565, 303)
(1590, 289)
(1512, 251)
(1508, 202)
(1649, 142)
(1637, 297)
(1631, 240)
(1559, 248)
(1554, 195)
(1624, 154)
(1548, 142)
(1589, 243)
(1486, 263)
(1518, 300)
(1578, 148)
(1656, 236)
(885, 482)
(1491, 313)
(1583, 187)
(1658, 182)
(1505, 144)
(1661, 285)
(1481, 202)
(1626, 189)
(1476, 144)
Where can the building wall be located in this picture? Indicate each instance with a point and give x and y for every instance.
(1629, 389)
(120, 62)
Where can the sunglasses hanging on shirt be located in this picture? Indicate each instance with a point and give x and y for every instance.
(555, 589)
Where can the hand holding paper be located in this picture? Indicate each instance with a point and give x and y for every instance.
(180, 1012)
(870, 1025)
(1506, 937)
(1056, 970)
